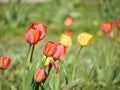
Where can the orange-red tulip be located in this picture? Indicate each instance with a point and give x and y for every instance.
(68, 21)
(4, 62)
(49, 49)
(107, 27)
(41, 27)
(32, 36)
(118, 23)
(40, 75)
(65, 88)
(60, 51)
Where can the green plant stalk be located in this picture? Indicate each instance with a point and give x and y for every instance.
(75, 62)
(32, 53)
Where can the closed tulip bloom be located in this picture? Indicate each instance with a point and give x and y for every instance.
(107, 27)
(41, 27)
(84, 39)
(68, 21)
(49, 49)
(4, 62)
(53, 63)
(118, 23)
(66, 39)
(60, 51)
(32, 36)
(40, 75)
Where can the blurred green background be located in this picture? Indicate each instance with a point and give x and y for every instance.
(102, 57)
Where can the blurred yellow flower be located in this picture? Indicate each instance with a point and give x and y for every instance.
(66, 38)
(84, 39)
(118, 39)
(47, 60)
(99, 33)
(95, 22)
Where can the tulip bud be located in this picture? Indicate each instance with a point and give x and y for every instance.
(118, 23)
(107, 27)
(40, 75)
(68, 21)
(53, 63)
(84, 39)
(4, 62)
(41, 27)
(66, 39)
(49, 49)
(60, 51)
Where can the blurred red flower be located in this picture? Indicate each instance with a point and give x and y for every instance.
(40, 75)
(41, 27)
(107, 27)
(68, 21)
(35, 32)
(49, 48)
(32, 36)
(60, 51)
(4, 62)
(118, 23)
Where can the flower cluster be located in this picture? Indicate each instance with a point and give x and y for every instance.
(53, 52)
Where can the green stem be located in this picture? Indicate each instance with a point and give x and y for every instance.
(32, 53)
(75, 62)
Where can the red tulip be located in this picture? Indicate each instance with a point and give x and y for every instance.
(60, 51)
(68, 21)
(118, 23)
(41, 27)
(40, 75)
(4, 62)
(49, 49)
(53, 63)
(107, 27)
(32, 36)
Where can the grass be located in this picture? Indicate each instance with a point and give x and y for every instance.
(98, 65)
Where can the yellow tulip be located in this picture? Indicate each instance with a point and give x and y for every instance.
(84, 39)
(118, 39)
(66, 39)
(47, 60)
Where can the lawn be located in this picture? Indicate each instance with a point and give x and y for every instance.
(96, 65)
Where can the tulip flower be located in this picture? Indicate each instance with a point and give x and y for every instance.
(32, 36)
(49, 49)
(35, 32)
(66, 39)
(84, 39)
(40, 75)
(106, 27)
(41, 27)
(4, 62)
(60, 51)
(47, 60)
(68, 21)
(118, 23)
